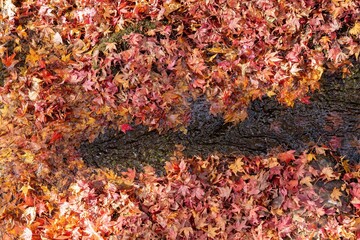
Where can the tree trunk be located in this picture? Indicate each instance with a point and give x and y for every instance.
(332, 118)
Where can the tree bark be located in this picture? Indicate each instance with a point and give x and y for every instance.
(332, 118)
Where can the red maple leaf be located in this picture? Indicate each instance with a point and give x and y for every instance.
(56, 136)
(125, 127)
(287, 156)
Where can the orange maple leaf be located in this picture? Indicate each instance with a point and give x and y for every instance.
(8, 61)
(287, 156)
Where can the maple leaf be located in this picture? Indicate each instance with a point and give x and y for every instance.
(187, 231)
(196, 62)
(55, 136)
(8, 9)
(307, 181)
(32, 57)
(41, 208)
(183, 190)
(292, 185)
(272, 58)
(356, 202)
(171, 6)
(305, 100)
(91, 230)
(287, 156)
(355, 30)
(110, 46)
(87, 85)
(237, 166)
(29, 214)
(27, 234)
(336, 194)
(57, 39)
(225, 192)
(25, 189)
(125, 127)
(212, 231)
(47, 76)
(328, 173)
(199, 193)
(336, 55)
(8, 61)
(28, 156)
(345, 165)
(321, 150)
(355, 191)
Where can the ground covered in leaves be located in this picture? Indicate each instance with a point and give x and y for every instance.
(71, 69)
(314, 195)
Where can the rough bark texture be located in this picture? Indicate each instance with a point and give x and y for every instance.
(332, 118)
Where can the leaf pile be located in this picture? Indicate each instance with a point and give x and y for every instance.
(275, 197)
(135, 61)
(70, 69)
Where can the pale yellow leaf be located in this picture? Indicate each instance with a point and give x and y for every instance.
(237, 166)
(336, 194)
(328, 173)
(355, 30)
(307, 181)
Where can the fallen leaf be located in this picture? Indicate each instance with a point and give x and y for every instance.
(125, 127)
(307, 181)
(237, 166)
(336, 194)
(355, 30)
(8, 61)
(25, 189)
(287, 156)
(328, 173)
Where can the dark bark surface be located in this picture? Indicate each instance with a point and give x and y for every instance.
(332, 118)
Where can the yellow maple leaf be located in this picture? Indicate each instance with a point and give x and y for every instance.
(32, 57)
(25, 189)
(355, 30)
(212, 231)
(310, 157)
(237, 166)
(218, 50)
(28, 156)
(66, 57)
(345, 164)
(307, 181)
(270, 93)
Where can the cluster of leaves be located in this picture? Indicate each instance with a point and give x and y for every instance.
(70, 69)
(274, 197)
(78, 59)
